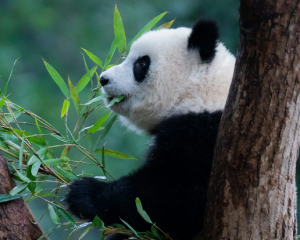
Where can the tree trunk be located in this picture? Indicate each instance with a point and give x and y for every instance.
(15, 216)
(252, 188)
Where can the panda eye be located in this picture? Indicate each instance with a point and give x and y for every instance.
(143, 63)
(141, 67)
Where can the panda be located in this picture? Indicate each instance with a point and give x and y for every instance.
(175, 83)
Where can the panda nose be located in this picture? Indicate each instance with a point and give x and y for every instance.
(104, 81)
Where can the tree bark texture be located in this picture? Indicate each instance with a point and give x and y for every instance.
(15, 216)
(252, 190)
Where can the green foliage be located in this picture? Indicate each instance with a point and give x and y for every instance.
(39, 158)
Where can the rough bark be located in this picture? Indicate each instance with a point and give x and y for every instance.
(252, 190)
(15, 216)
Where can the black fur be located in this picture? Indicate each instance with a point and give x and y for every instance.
(204, 36)
(172, 183)
(141, 67)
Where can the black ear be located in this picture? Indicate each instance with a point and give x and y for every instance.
(204, 36)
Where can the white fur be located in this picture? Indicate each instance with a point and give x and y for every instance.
(177, 82)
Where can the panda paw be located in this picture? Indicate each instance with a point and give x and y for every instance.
(82, 199)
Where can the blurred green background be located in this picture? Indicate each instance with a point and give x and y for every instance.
(56, 30)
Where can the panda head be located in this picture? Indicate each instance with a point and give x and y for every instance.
(170, 72)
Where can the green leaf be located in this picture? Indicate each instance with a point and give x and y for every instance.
(155, 231)
(107, 127)
(108, 67)
(145, 29)
(115, 100)
(32, 185)
(57, 161)
(65, 107)
(99, 123)
(18, 189)
(119, 31)
(35, 167)
(63, 139)
(17, 114)
(166, 25)
(135, 232)
(96, 99)
(57, 78)
(6, 85)
(53, 215)
(94, 58)
(38, 126)
(65, 215)
(2, 101)
(74, 96)
(85, 80)
(111, 52)
(97, 222)
(85, 232)
(67, 175)
(113, 153)
(21, 155)
(6, 135)
(21, 176)
(2, 145)
(8, 197)
(103, 161)
(39, 140)
(142, 211)
(41, 152)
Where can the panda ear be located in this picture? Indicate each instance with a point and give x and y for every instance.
(204, 36)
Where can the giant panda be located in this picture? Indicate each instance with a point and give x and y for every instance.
(175, 83)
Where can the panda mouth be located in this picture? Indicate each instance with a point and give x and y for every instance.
(116, 100)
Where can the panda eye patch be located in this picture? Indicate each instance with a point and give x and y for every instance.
(141, 67)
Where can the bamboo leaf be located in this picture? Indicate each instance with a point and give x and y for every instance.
(94, 58)
(18, 189)
(113, 153)
(97, 99)
(119, 31)
(111, 52)
(74, 97)
(17, 114)
(63, 139)
(85, 232)
(35, 167)
(99, 123)
(2, 145)
(142, 211)
(85, 80)
(2, 101)
(166, 25)
(57, 161)
(145, 29)
(65, 107)
(69, 176)
(6, 85)
(107, 127)
(97, 222)
(21, 155)
(65, 215)
(39, 140)
(57, 78)
(115, 100)
(21, 176)
(131, 228)
(8, 197)
(34, 159)
(54, 217)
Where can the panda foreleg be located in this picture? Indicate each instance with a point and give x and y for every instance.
(110, 201)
